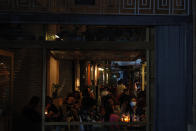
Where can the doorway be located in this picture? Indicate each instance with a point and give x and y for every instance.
(102, 60)
(103, 73)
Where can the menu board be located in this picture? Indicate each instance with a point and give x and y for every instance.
(5, 81)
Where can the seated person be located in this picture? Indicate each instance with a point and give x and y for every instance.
(71, 113)
(51, 111)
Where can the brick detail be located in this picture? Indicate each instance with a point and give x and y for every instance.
(27, 77)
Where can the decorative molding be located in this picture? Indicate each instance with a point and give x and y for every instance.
(117, 7)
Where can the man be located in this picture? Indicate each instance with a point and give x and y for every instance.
(120, 87)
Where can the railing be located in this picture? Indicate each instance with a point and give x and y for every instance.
(95, 126)
(119, 7)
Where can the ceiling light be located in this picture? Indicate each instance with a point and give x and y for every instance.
(100, 69)
(57, 36)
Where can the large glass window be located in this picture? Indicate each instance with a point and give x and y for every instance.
(104, 87)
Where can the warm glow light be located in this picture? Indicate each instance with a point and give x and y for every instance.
(125, 118)
(57, 36)
(134, 118)
(100, 69)
(107, 77)
(78, 82)
(122, 119)
(103, 77)
(143, 76)
(92, 72)
(49, 36)
(46, 113)
(95, 74)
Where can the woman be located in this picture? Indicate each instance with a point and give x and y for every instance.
(110, 114)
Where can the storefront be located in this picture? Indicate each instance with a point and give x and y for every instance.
(99, 65)
(165, 51)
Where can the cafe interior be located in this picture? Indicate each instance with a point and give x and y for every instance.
(103, 72)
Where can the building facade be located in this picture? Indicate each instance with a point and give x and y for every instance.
(28, 30)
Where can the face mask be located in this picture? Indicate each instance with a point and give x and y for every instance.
(132, 104)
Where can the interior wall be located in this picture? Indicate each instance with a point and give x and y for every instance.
(66, 76)
(53, 74)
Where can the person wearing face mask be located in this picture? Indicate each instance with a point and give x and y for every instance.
(133, 103)
(133, 111)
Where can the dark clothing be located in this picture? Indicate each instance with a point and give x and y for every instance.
(30, 120)
(53, 109)
(124, 98)
(57, 112)
(31, 114)
(71, 113)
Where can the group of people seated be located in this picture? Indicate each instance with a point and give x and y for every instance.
(86, 107)
(113, 105)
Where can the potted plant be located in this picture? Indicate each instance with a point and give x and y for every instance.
(55, 88)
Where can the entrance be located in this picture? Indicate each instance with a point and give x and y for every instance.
(99, 68)
(119, 76)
